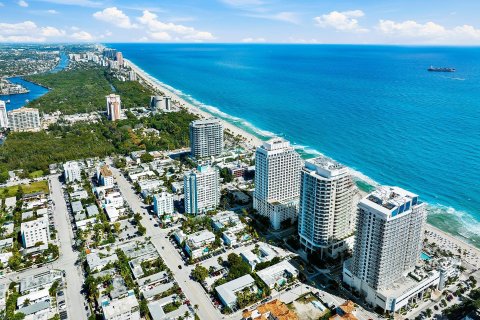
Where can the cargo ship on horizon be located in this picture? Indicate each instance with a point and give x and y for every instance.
(443, 69)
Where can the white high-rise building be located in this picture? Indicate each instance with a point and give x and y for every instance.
(206, 138)
(114, 107)
(326, 218)
(388, 245)
(3, 115)
(72, 172)
(24, 119)
(277, 181)
(34, 232)
(202, 190)
(163, 204)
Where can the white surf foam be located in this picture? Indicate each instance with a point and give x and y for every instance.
(469, 225)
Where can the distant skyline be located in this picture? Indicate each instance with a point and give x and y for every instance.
(426, 22)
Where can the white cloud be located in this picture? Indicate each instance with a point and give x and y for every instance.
(51, 11)
(116, 17)
(303, 41)
(1, 4)
(52, 32)
(285, 16)
(160, 36)
(22, 39)
(22, 3)
(20, 28)
(253, 40)
(342, 21)
(429, 32)
(411, 28)
(467, 31)
(105, 35)
(159, 30)
(82, 36)
(27, 31)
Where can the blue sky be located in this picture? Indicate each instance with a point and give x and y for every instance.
(275, 21)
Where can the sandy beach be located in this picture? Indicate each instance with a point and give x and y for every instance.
(433, 234)
(251, 139)
(449, 242)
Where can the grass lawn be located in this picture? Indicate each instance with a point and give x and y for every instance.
(36, 174)
(36, 186)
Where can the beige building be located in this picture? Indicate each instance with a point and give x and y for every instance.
(114, 107)
(24, 119)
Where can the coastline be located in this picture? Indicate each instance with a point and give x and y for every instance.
(254, 141)
(251, 139)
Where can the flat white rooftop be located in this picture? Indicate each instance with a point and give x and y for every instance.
(119, 307)
(325, 167)
(227, 291)
(275, 144)
(205, 122)
(390, 200)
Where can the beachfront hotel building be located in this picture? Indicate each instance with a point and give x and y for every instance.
(326, 218)
(114, 107)
(24, 119)
(3, 115)
(388, 244)
(206, 138)
(202, 189)
(277, 181)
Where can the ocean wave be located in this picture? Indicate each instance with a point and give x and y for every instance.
(462, 225)
(458, 221)
(311, 153)
(306, 150)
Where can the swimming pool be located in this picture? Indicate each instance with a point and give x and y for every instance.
(425, 256)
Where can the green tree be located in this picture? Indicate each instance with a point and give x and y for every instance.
(141, 229)
(15, 261)
(146, 157)
(200, 273)
(117, 227)
(143, 307)
(226, 175)
(53, 288)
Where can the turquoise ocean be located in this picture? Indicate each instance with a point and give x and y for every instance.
(374, 108)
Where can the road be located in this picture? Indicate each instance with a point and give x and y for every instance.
(192, 289)
(67, 259)
(69, 256)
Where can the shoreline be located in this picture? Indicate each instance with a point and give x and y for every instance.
(250, 139)
(255, 141)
